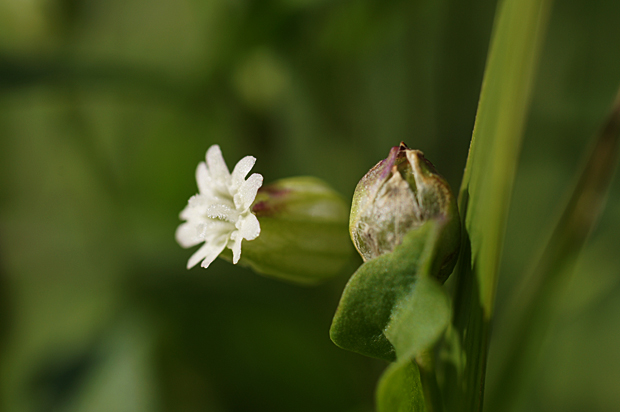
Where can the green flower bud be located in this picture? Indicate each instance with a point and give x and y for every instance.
(398, 195)
(303, 235)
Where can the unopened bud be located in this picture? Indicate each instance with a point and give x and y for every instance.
(397, 196)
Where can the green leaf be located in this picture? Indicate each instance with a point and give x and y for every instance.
(420, 319)
(391, 306)
(400, 389)
(487, 184)
(417, 323)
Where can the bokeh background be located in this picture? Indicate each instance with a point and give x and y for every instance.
(106, 108)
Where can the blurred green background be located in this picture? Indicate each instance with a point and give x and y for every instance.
(106, 108)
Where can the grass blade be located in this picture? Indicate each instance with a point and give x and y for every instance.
(487, 184)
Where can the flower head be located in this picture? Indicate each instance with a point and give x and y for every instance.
(220, 214)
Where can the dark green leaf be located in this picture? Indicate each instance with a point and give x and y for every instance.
(420, 319)
(382, 301)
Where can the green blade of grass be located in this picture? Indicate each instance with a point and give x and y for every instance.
(550, 276)
(487, 185)
(500, 120)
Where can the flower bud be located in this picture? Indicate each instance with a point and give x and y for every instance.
(303, 235)
(398, 195)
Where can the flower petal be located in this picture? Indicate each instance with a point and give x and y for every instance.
(214, 251)
(242, 168)
(217, 166)
(248, 227)
(247, 192)
(199, 255)
(195, 208)
(235, 246)
(222, 212)
(213, 229)
(207, 253)
(187, 235)
(203, 179)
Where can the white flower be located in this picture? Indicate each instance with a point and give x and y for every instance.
(220, 214)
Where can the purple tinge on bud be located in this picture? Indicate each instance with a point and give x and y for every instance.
(399, 194)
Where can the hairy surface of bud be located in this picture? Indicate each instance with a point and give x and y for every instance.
(396, 196)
